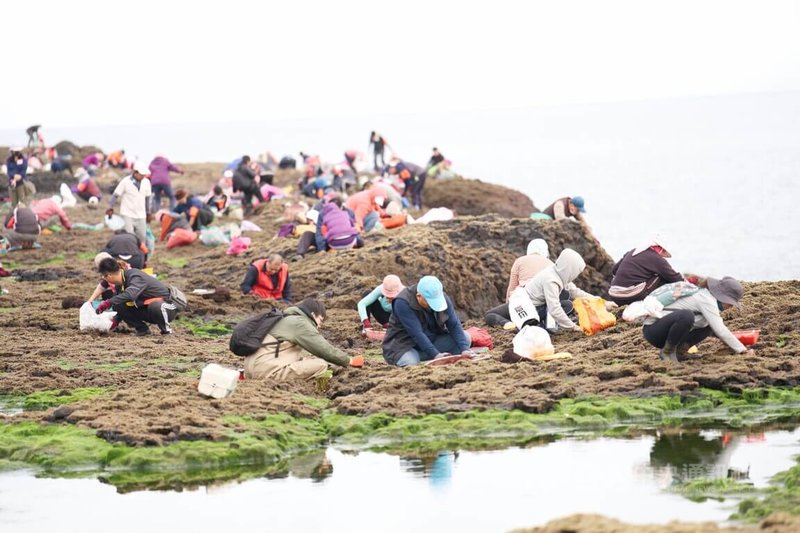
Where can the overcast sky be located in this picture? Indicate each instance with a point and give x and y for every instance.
(100, 62)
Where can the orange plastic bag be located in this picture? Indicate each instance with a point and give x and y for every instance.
(592, 315)
(393, 222)
(181, 237)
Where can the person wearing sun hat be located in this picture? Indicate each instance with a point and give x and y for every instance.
(378, 302)
(569, 206)
(423, 326)
(690, 319)
(641, 271)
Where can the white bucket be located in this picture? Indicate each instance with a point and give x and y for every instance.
(217, 381)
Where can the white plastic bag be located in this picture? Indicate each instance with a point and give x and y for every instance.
(532, 342)
(640, 311)
(114, 222)
(521, 308)
(249, 226)
(67, 198)
(213, 236)
(89, 320)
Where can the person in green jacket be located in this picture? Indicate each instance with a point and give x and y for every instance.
(295, 349)
(378, 303)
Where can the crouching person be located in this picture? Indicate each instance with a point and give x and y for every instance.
(139, 299)
(423, 325)
(295, 349)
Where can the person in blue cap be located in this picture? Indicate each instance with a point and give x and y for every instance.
(566, 207)
(423, 326)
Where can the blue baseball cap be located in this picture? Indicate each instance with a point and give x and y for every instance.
(431, 289)
(577, 201)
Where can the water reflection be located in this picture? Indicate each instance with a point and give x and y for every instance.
(435, 466)
(699, 454)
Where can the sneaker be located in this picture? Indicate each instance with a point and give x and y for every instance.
(509, 326)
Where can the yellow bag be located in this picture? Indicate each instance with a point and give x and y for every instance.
(592, 315)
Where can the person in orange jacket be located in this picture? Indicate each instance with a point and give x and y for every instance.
(367, 205)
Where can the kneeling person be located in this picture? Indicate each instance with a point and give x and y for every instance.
(294, 348)
(139, 298)
(423, 325)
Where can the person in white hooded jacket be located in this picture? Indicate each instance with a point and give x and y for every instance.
(524, 269)
(547, 298)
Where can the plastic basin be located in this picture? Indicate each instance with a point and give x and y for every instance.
(747, 337)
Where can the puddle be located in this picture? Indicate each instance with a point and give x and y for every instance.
(332, 490)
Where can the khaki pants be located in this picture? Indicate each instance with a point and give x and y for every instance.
(23, 192)
(291, 363)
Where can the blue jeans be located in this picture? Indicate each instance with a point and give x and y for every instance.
(167, 191)
(443, 343)
(370, 220)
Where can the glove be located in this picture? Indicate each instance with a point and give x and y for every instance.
(149, 217)
(469, 353)
(367, 324)
(611, 305)
(385, 325)
(114, 324)
(104, 306)
(357, 361)
(109, 211)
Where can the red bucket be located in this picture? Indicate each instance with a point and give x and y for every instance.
(747, 337)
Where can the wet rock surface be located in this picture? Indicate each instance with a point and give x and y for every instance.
(151, 381)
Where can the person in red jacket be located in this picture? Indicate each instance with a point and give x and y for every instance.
(268, 278)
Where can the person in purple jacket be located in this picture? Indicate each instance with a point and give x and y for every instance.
(336, 230)
(93, 162)
(161, 182)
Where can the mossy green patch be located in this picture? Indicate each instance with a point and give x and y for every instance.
(205, 328)
(702, 489)
(782, 497)
(86, 256)
(51, 398)
(316, 403)
(175, 262)
(52, 261)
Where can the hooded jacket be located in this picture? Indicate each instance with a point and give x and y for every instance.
(24, 221)
(411, 326)
(13, 168)
(545, 288)
(638, 274)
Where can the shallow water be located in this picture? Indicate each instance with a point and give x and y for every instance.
(333, 490)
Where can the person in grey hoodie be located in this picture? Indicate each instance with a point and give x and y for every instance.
(691, 319)
(551, 292)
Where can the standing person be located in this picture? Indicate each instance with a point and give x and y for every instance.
(161, 182)
(378, 302)
(50, 213)
(436, 158)
(268, 278)
(566, 207)
(244, 180)
(523, 270)
(17, 169)
(139, 298)
(295, 349)
(378, 144)
(134, 192)
(692, 318)
(423, 326)
(641, 271)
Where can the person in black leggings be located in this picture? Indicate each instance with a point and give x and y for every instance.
(674, 333)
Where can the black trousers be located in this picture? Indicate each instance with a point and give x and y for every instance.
(497, 316)
(251, 190)
(159, 312)
(675, 329)
(376, 310)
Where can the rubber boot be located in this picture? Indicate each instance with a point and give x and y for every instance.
(667, 353)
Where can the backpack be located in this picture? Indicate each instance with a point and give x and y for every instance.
(248, 335)
(177, 297)
(669, 293)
